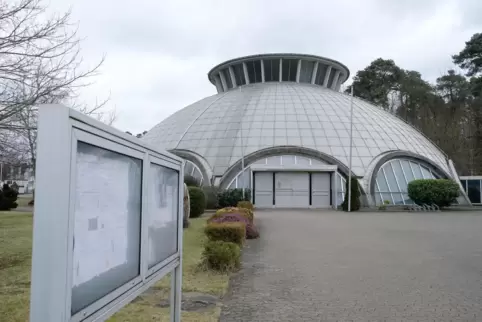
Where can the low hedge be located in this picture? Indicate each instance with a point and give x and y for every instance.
(234, 232)
(251, 230)
(228, 210)
(197, 202)
(246, 205)
(441, 192)
(221, 256)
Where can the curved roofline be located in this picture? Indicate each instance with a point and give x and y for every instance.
(328, 61)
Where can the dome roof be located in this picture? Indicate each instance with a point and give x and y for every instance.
(223, 127)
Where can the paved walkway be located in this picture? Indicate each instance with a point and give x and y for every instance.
(327, 266)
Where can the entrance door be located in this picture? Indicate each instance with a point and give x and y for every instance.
(321, 189)
(292, 190)
(263, 189)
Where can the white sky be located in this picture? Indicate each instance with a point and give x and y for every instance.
(158, 53)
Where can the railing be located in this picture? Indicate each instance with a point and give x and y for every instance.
(424, 207)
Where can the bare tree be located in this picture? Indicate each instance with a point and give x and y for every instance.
(40, 59)
(40, 63)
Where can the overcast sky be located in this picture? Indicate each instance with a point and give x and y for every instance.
(158, 53)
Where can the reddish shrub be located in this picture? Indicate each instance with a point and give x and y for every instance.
(229, 210)
(251, 231)
(230, 217)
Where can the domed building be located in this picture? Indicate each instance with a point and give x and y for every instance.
(279, 126)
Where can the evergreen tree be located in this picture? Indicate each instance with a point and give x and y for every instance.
(355, 196)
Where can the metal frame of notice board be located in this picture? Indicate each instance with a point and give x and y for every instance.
(60, 130)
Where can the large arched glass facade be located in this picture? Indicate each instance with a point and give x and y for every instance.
(243, 179)
(393, 177)
(193, 170)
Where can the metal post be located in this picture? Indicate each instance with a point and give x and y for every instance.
(242, 149)
(176, 293)
(351, 148)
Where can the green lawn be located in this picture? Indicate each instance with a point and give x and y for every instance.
(23, 200)
(15, 253)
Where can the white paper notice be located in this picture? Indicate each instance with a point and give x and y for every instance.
(101, 215)
(163, 212)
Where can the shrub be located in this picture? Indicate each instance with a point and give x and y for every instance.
(8, 198)
(246, 205)
(186, 207)
(234, 232)
(384, 205)
(211, 197)
(190, 181)
(221, 256)
(197, 202)
(229, 217)
(228, 210)
(355, 196)
(251, 231)
(441, 192)
(231, 197)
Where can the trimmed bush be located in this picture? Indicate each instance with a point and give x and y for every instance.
(231, 197)
(211, 197)
(234, 232)
(251, 230)
(197, 202)
(221, 256)
(441, 192)
(246, 205)
(355, 196)
(190, 181)
(8, 198)
(229, 217)
(229, 210)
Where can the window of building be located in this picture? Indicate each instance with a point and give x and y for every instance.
(306, 71)
(474, 191)
(271, 70)
(331, 78)
(320, 74)
(239, 74)
(393, 177)
(193, 170)
(290, 67)
(254, 71)
(227, 77)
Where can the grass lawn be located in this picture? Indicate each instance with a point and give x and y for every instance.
(15, 257)
(23, 200)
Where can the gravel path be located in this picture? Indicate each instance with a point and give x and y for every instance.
(334, 266)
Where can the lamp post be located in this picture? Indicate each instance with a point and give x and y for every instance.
(242, 149)
(351, 149)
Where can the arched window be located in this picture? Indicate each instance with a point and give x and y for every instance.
(193, 170)
(393, 177)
